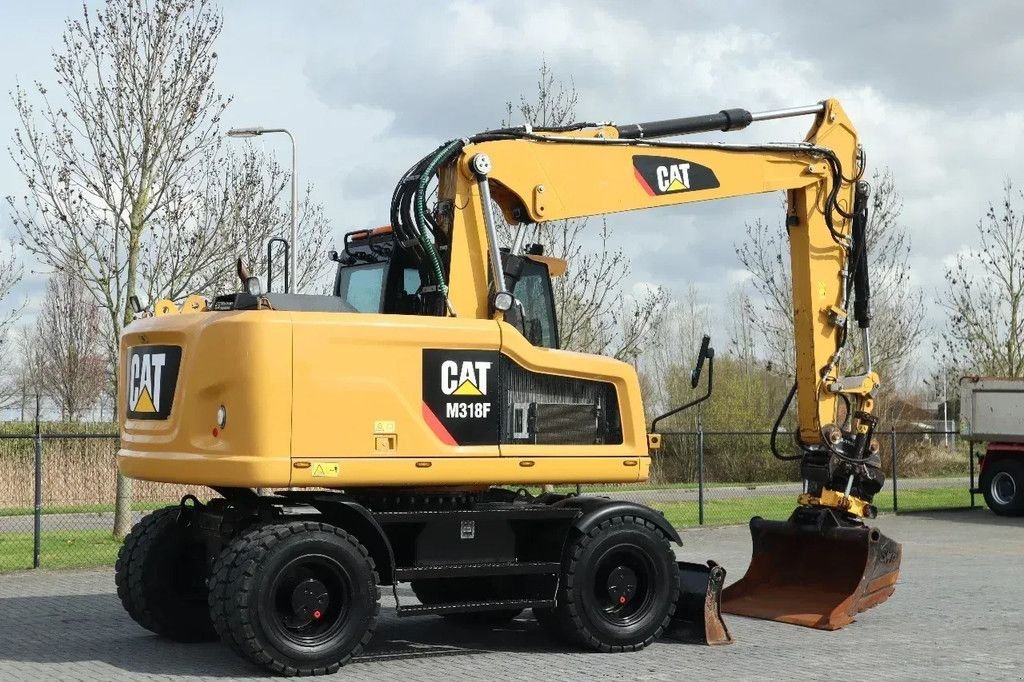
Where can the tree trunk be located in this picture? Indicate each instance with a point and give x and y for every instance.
(123, 496)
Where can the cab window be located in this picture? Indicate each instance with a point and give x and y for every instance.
(533, 291)
(361, 286)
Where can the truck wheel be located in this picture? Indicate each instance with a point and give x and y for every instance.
(432, 591)
(1002, 483)
(620, 586)
(299, 598)
(161, 573)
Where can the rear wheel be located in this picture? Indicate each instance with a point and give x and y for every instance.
(1002, 483)
(298, 598)
(161, 573)
(620, 586)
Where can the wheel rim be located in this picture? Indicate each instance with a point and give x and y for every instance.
(1003, 488)
(309, 600)
(622, 586)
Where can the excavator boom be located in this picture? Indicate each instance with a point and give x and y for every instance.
(537, 176)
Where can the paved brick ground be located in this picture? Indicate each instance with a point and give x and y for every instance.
(957, 614)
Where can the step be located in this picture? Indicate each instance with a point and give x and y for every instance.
(535, 512)
(478, 569)
(475, 606)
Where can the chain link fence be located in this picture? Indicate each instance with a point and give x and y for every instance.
(727, 477)
(57, 492)
(57, 487)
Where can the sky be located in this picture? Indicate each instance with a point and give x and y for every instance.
(369, 88)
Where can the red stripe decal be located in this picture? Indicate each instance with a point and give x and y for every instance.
(643, 183)
(436, 426)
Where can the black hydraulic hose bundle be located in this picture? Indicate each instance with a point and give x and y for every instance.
(861, 281)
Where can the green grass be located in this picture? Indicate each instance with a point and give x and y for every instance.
(59, 549)
(83, 508)
(778, 507)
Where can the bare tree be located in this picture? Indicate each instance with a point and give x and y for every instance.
(897, 322)
(28, 382)
(594, 313)
(243, 205)
(741, 328)
(69, 354)
(11, 273)
(129, 187)
(131, 127)
(984, 297)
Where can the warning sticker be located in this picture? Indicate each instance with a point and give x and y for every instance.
(325, 470)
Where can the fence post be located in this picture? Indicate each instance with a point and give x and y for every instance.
(37, 521)
(892, 451)
(700, 473)
(970, 466)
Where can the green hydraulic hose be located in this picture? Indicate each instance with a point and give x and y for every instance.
(421, 212)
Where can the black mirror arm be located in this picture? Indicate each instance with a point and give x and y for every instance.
(707, 394)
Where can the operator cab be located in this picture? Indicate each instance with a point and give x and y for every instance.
(375, 277)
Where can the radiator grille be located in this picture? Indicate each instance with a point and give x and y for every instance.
(554, 410)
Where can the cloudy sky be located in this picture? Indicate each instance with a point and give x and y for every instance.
(368, 88)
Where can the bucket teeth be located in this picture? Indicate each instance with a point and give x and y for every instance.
(812, 576)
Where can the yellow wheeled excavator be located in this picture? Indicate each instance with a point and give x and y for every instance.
(403, 419)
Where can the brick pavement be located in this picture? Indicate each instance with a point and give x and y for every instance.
(957, 614)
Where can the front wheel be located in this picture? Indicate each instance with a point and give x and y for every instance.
(298, 598)
(1002, 484)
(620, 586)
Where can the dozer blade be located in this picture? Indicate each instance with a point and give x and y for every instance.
(818, 578)
(698, 616)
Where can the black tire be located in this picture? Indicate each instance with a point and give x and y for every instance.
(620, 586)
(161, 573)
(437, 591)
(1002, 484)
(300, 598)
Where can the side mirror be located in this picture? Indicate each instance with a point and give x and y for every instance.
(253, 286)
(706, 353)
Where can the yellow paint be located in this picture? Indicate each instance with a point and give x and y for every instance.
(467, 387)
(164, 306)
(194, 304)
(836, 500)
(145, 402)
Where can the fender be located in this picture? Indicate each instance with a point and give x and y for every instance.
(595, 510)
(357, 519)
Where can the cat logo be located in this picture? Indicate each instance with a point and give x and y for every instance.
(660, 175)
(461, 390)
(152, 374)
(467, 378)
(674, 178)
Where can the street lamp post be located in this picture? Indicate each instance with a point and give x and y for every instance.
(256, 132)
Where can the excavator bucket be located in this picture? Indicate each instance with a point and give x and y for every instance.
(816, 577)
(698, 616)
